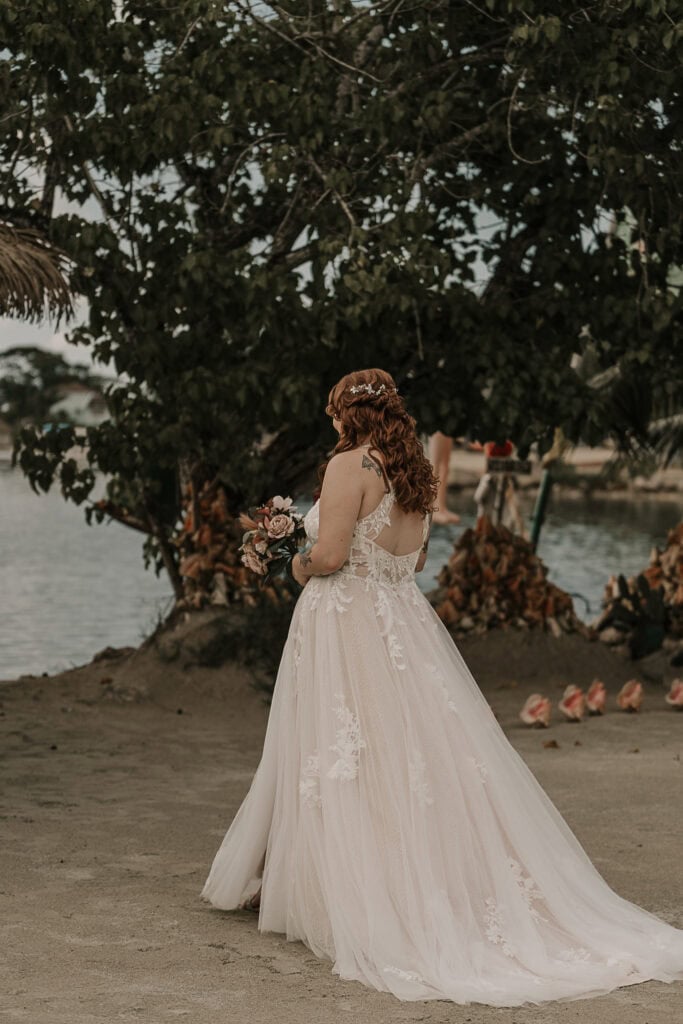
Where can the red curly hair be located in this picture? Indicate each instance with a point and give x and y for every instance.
(381, 419)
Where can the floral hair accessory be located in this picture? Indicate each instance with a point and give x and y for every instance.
(357, 388)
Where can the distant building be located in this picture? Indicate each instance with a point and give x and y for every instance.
(6, 439)
(81, 404)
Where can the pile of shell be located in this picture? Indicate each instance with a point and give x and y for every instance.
(494, 579)
(639, 612)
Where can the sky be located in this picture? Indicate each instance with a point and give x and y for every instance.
(45, 335)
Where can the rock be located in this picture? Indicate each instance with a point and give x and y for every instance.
(676, 658)
(168, 648)
(623, 650)
(611, 635)
(654, 666)
(112, 653)
(554, 626)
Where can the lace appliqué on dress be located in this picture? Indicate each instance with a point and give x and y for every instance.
(406, 975)
(389, 619)
(438, 676)
(493, 922)
(337, 599)
(420, 602)
(575, 956)
(298, 642)
(481, 768)
(418, 784)
(528, 889)
(309, 784)
(494, 919)
(349, 743)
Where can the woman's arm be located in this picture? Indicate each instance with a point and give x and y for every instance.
(340, 502)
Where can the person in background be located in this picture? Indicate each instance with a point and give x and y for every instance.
(440, 447)
(496, 492)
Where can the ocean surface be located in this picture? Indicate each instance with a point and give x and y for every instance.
(69, 589)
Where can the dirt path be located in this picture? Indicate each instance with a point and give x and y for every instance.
(112, 810)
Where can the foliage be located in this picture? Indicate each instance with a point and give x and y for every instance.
(264, 197)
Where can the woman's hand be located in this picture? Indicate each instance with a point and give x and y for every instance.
(301, 577)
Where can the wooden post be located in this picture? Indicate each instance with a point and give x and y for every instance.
(539, 508)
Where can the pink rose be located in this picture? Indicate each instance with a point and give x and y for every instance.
(573, 703)
(253, 562)
(536, 711)
(596, 697)
(675, 695)
(279, 526)
(630, 696)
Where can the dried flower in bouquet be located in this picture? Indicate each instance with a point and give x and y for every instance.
(274, 532)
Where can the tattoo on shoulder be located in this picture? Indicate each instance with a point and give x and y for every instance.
(369, 463)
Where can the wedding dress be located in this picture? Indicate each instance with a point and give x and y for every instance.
(404, 838)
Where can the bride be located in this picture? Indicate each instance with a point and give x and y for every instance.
(390, 824)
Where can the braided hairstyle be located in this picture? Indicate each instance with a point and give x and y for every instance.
(368, 406)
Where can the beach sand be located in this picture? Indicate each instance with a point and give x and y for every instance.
(114, 803)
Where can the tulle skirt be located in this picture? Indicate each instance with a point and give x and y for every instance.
(405, 840)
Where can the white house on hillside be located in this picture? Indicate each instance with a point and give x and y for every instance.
(81, 404)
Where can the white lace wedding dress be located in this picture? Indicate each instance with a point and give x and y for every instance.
(404, 837)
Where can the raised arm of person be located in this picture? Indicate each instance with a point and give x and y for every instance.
(340, 502)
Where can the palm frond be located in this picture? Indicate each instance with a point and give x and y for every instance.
(666, 437)
(33, 282)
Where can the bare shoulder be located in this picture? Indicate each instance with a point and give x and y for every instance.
(344, 469)
(358, 465)
(344, 462)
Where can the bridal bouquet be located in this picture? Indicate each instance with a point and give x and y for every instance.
(273, 534)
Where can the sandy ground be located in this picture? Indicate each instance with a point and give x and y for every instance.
(113, 805)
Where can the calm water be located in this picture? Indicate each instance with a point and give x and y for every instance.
(69, 590)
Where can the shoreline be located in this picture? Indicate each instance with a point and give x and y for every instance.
(466, 469)
(572, 492)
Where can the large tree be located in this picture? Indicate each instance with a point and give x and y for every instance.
(265, 196)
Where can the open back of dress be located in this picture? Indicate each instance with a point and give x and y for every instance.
(375, 538)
